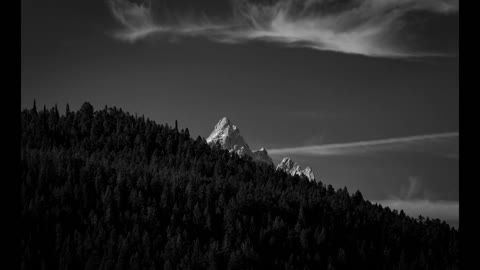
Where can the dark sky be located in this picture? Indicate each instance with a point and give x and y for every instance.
(279, 96)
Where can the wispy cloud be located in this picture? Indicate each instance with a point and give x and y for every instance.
(416, 199)
(415, 187)
(139, 22)
(441, 144)
(136, 18)
(365, 27)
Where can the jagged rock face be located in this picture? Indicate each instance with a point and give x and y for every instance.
(308, 172)
(291, 167)
(228, 136)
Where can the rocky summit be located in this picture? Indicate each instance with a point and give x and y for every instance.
(228, 136)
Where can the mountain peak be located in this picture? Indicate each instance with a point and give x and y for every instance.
(287, 160)
(228, 136)
(223, 122)
(293, 168)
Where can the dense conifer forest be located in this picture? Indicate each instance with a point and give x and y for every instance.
(104, 189)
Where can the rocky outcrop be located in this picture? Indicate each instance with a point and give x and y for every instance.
(293, 168)
(228, 136)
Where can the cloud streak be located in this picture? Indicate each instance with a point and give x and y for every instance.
(365, 27)
(440, 144)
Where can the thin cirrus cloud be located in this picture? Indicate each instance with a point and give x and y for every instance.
(441, 144)
(365, 27)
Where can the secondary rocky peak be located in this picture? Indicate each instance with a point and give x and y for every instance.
(293, 168)
(262, 155)
(308, 172)
(287, 163)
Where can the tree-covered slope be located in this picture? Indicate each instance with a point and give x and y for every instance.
(107, 190)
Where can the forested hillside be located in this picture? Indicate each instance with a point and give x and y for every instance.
(108, 190)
